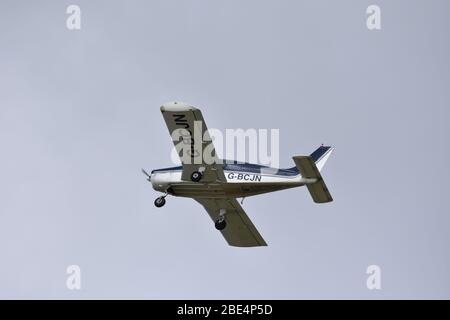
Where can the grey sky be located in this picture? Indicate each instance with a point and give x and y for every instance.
(79, 117)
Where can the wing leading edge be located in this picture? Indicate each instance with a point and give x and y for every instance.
(240, 231)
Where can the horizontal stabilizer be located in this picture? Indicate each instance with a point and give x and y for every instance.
(308, 169)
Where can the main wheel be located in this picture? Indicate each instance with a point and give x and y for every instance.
(159, 202)
(196, 176)
(220, 224)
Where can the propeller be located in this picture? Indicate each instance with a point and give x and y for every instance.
(149, 179)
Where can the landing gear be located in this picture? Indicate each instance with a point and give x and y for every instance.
(159, 202)
(220, 224)
(196, 176)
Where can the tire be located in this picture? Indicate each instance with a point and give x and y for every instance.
(196, 176)
(220, 224)
(159, 202)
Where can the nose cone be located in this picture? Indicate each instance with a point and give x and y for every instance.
(159, 181)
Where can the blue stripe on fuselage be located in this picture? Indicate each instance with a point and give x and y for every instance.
(243, 167)
(256, 168)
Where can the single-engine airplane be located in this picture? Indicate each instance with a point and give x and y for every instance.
(216, 184)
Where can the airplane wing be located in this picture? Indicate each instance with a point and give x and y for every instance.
(190, 134)
(240, 231)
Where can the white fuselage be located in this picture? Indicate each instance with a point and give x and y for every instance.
(238, 184)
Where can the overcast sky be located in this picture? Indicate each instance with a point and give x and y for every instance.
(79, 117)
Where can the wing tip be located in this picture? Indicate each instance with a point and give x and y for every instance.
(248, 245)
(177, 106)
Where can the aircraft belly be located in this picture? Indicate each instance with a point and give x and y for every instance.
(234, 190)
(197, 190)
(247, 190)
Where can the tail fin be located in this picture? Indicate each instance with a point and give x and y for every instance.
(309, 167)
(321, 155)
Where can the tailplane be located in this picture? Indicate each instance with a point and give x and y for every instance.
(310, 167)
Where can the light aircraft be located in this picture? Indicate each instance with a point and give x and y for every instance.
(216, 184)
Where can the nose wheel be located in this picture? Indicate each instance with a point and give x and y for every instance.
(159, 202)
